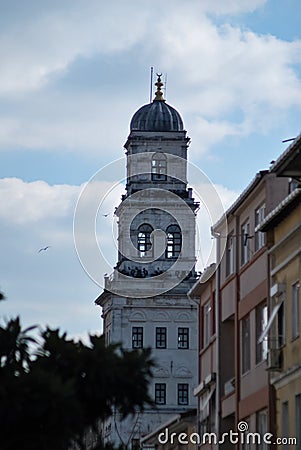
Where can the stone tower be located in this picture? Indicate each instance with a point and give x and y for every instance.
(145, 301)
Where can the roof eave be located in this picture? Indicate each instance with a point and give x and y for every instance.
(281, 211)
(242, 197)
(289, 162)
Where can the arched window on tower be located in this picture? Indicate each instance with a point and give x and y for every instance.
(159, 167)
(174, 241)
(144, 241)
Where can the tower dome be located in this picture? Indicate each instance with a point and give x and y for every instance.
(157, 116)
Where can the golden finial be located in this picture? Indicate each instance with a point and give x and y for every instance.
(159, 84)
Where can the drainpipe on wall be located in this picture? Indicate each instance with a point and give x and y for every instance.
(217, 236)
(236, 324)
(272, 411)
(197, 422)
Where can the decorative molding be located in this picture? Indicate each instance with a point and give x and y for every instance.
(137, 316)
(182, 372)
(161, 316)
(161, 372)
(183, 317)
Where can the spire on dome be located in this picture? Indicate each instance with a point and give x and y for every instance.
(159, 93)
(157, 115)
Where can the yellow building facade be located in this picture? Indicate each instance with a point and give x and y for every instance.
(283, 332)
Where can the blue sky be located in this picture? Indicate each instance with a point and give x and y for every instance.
(72, 75)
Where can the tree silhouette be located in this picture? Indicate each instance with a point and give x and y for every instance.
(52, 389)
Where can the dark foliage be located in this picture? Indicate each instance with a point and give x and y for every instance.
(51, 392)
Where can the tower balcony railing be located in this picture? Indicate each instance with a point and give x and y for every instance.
(120, 284)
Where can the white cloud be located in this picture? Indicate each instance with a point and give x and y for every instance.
(34, 50)
(45, 212)
(35, 47)
(227, 68)
(231, 6)
(206, 133)
(25, 203)
(229, 81)
(64, 122)
(48, 287)
(224, 80)
(214, 200)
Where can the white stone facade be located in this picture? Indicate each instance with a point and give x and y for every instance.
(145, 301)
(174, 366)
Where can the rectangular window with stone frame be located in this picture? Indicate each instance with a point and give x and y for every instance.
(259, 235)
(137, 337)
(261, 313)
(183, 394)
(183, 338)
(207, 323)
(262, 428)
(161, 337)
(245, 244)
(245, 344)
(160, 393)
(230, 255)
(295, 310)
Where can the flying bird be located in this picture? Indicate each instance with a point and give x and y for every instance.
(43, 249)
(106, 215)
